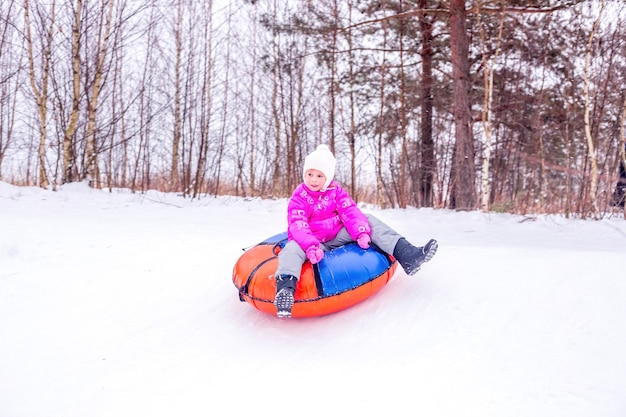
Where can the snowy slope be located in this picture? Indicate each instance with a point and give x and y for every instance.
(119, 304)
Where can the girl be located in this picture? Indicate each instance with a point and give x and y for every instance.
(322, 216)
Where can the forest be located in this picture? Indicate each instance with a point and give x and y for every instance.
(494, 105)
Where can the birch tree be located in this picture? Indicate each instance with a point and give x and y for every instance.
(178, 125)
(91, 152)
(69, 157)
(486, 116)
(39, 83)
(593, 189)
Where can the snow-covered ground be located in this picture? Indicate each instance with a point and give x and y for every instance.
(122, 305)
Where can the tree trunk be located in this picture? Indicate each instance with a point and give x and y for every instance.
(69, 168)
(352, 110)
(41, 94)
(404, 177)
(380, 125)
(593, 188)
(427, 169)
(619, 194)
(277, 173)
(332, 82)
(92, 169)
(178, 128)
(463, 173)
(207, 104)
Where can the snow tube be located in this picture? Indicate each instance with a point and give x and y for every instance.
(345, 276)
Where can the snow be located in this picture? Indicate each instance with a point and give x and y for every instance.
(120, 304)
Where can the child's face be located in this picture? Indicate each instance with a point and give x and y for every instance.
(314, 179)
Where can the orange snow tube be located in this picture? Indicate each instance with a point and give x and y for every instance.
(345, 277)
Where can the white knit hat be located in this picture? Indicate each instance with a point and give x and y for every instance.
(323, 160)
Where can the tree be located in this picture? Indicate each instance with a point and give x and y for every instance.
(488, 71)
(619, 196)
(463, 173)
(178, 124)
(590, 142)
(39, 85)
(428, 162)
(9, 78)
(69, 157)
(92, 169)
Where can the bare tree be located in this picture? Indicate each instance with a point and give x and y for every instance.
(140, 165)
(69, 157)
(39, 86)
(286, 64)
(92, 169)
(177, 128)
(403, 93)
(9, 78)
(277, 173)
(619, 195)
(351, 129)
(206, 101)
(590, 140)
(379, 125)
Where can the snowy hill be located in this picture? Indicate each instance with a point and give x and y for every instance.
(119, 304)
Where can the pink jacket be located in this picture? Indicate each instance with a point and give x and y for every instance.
(317, 217)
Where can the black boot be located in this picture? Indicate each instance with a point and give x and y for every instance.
(410, 257)
(285, 287)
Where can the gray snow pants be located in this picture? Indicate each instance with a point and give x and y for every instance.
(292, 256)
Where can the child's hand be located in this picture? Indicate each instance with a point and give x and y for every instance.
(364, 240)
(315, 254)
